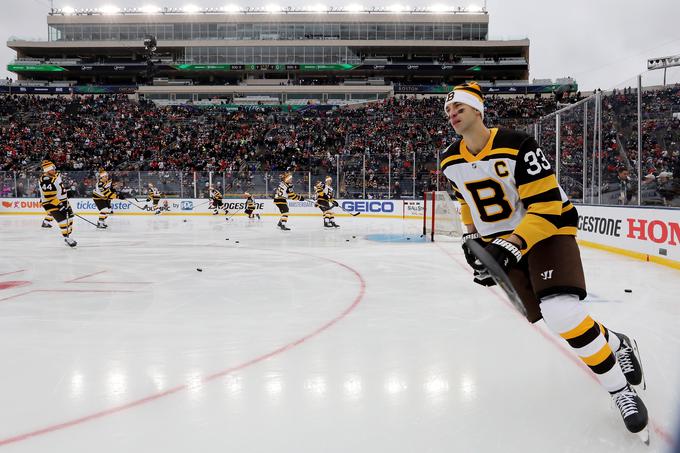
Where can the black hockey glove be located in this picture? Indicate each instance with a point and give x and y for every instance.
(482, 277)
(121, 196)
(302, 198)
(335, 204)
(469, 256)
(65, 208)
(505, 253)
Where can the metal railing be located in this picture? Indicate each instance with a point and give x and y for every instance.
(617, 148)
(367, 176)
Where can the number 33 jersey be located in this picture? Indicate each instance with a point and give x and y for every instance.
(509, 187)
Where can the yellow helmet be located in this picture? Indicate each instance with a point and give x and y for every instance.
(47, 165)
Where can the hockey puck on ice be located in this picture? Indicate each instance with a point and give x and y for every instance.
(346, 240)
(354, 237)
(226, 239)
(408, 239)
(185, 220)
(236, 242)
(199, 269)
(628, 290)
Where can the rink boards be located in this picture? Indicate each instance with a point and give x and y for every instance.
(650, 234)
(397, 209)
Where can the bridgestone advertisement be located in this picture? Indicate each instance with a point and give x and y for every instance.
(651, 232)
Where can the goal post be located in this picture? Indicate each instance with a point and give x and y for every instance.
(441, 215)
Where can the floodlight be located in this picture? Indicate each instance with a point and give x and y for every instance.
(109, 9)
(397, 8)
(231, 8)
(663, 62)
(354, 8)
(474, 8)
(318, 8)
(150, 9)
(190, 9)
(68, 10)
(272, 8)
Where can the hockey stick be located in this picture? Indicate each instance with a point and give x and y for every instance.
(79, 216)
(497, 274)
(353, 214)
(229, 216)
(133, 204)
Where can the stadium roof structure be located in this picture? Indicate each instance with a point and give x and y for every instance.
(272, 9)
(436, 45)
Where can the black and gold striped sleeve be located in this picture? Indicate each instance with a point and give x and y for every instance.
(452, 156)
(539, 193)
(292, 195)
(105, 193)
(320, 194)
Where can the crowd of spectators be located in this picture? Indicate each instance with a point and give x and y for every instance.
(660, 145)
(384, 143)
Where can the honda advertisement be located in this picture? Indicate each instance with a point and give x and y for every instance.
(653, 232)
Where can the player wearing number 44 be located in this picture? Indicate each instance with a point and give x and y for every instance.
(512, 204)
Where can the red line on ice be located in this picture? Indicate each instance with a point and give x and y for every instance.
(84, 276)
(13, 284)
(150, 398)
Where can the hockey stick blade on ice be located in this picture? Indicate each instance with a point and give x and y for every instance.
(83, 218)
(133, 204)
(497, 273)
(353, 214)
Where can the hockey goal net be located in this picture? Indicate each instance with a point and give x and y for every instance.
(441, 215)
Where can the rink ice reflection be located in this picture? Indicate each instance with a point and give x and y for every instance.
(308, 340)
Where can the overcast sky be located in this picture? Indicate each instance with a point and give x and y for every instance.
(601, 43)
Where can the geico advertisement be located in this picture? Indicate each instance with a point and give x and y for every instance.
(653, 232)
(203, 206)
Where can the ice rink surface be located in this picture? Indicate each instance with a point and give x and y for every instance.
(304, 341)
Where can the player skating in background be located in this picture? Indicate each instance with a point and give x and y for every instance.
(54, 199)
(102, 196)
(154, 196)
(216, 201)
(326, 202)
(283, 192)
(512, 204)
(250, 206)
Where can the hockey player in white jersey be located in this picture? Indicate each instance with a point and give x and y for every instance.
(283, 192)
(512, 204)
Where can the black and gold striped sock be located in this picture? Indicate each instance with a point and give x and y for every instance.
(567, 316)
